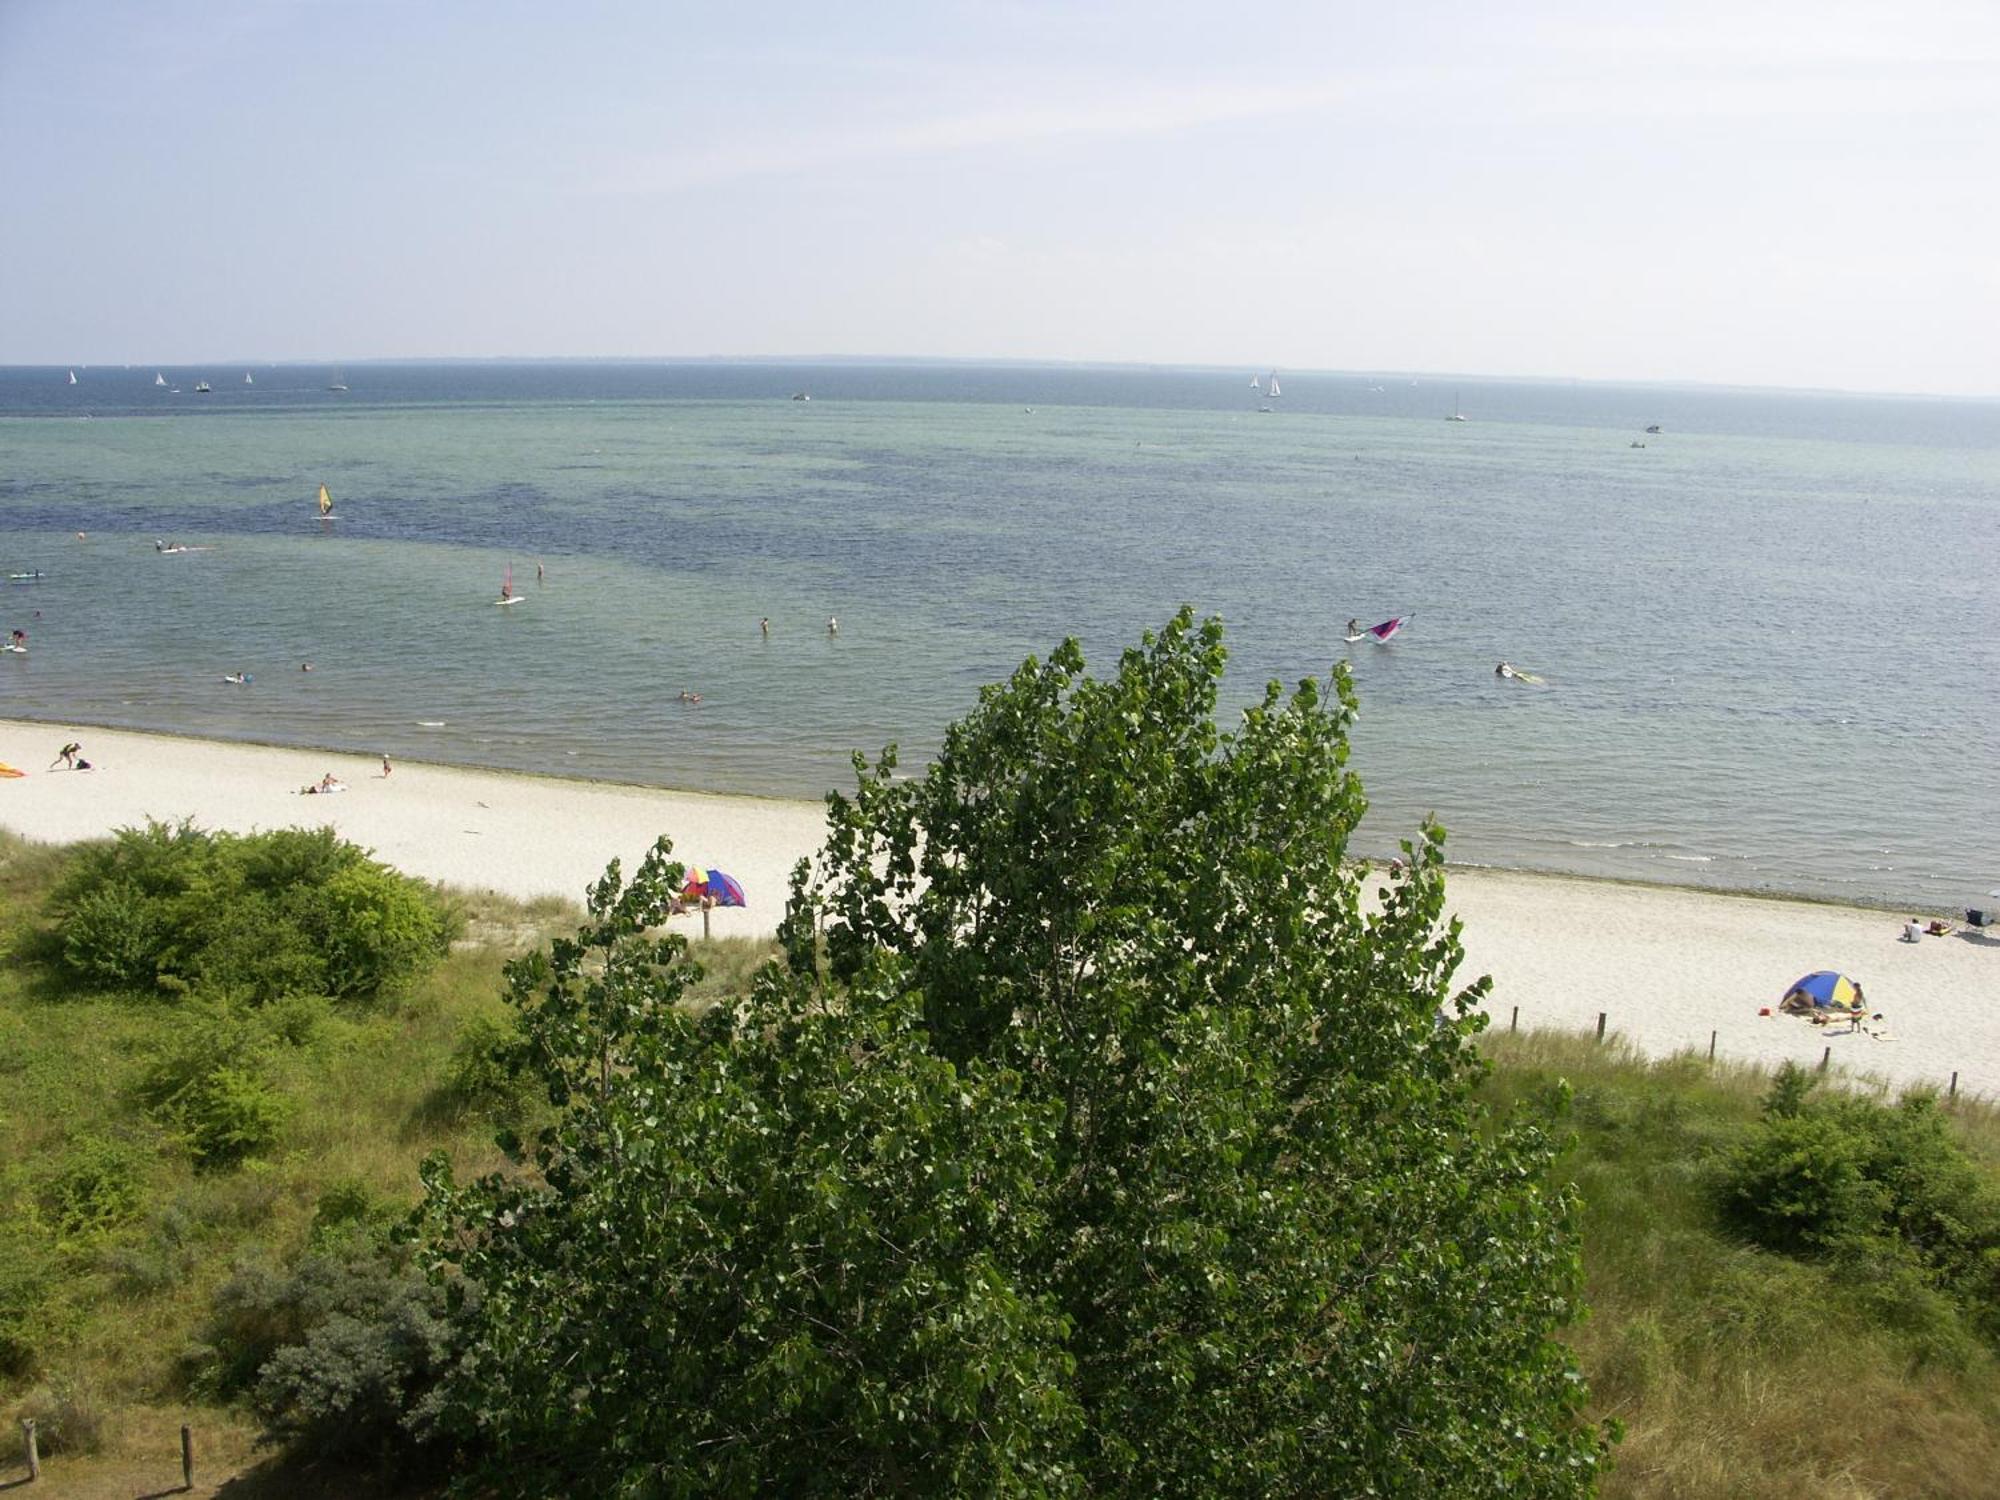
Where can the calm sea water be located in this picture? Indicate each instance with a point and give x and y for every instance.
(1770, 637)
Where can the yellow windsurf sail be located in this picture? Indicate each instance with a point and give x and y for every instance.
(325, 500)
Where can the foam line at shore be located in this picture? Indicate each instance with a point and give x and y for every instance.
(1666, 965)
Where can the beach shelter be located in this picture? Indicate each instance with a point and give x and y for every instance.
(1822, 990)
(714, 887)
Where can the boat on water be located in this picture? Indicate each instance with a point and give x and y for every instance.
(507, 594)
(1271, 386)
(801, 396)
(338, 383)
(201, 388)
(1456, 414)
(72, 377)
(1654, 428)
(159, 379)
(246, 378)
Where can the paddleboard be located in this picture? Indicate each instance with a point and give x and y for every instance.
(517, 599)
(24, 577)
(1351, 639)
(17, 650)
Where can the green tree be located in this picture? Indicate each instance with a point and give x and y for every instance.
(1108, 1140)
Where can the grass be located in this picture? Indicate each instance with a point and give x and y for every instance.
(1734, 1371)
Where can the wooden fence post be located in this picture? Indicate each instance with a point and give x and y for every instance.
(704, 920)
(1514, 1021)
(1825, 1058)
(28, 1443)
(1600, 1025)
(1954, 1084)
(1711, 1046)
(187, 1458)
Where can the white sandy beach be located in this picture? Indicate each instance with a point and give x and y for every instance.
(1668, 966)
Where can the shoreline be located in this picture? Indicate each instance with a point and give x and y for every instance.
(1668, 965)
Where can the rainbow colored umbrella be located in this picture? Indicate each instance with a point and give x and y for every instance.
(714, 887)
(1823, 990)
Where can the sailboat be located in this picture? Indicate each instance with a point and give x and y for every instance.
(201, 387)
(72, 377)
(1456, 414)
(338, 383)
(507, 594)
(1256, 386)
(1271, 386)
(326, 505)
(159, 379)
(246, 378)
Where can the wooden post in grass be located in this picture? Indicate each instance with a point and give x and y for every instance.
(1514, 1021)
(704, 919)
(1954, 1084)
(187, 1458)
(1825, 1058)
(28, 1447)
(1711, 1047)
(1600, 1025)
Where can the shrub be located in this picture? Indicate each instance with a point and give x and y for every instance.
(486, 1074)
(339, 1350)
(211, 1088)
(1882, 1186)
(170, 908)
(67, 1418)
(95, 1185)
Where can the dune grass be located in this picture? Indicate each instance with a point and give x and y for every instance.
(1734, 1371)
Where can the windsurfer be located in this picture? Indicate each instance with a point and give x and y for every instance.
(833, 625)
(1353, 628)
(1505, 669)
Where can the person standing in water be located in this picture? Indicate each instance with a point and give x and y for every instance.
(765, 625)
(538, 570)
(833, 625)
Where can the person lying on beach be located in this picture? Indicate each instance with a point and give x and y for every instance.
(1938, 927)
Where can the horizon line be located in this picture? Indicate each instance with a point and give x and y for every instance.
(1004, 362)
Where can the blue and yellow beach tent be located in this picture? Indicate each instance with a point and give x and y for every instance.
(1823, 990)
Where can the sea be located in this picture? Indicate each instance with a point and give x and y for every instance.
(1767, 633)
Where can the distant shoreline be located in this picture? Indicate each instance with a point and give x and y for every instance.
(1668, 966)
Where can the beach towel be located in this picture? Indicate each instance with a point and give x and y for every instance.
(7, 770)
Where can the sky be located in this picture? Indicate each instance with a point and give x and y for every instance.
(1736, 193)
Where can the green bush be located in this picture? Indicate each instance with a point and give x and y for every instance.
(212, 1088)
(256, 917)
(1883, 1190)
(339, 1350)
(486, 1074)
(95, 1185)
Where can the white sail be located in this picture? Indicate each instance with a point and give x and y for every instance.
(1273, 390)
(246, 378)
(72, 377)
(159, 379)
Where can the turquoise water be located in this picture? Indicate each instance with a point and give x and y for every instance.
(1770, 637)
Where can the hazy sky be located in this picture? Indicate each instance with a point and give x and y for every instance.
(1787, 194)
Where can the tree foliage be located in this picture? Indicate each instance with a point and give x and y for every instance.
(1110, 1139)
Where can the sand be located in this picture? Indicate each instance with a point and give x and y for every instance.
(1667, 966)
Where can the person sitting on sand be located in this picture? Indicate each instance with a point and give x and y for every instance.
(1911, 931)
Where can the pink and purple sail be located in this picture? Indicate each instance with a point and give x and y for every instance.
(1387, 628)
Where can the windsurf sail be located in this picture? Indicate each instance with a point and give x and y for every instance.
(507, 583)
(1387, 628)
(325, 501)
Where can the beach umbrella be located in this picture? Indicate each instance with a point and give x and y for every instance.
(1823, 990)
(715, 887)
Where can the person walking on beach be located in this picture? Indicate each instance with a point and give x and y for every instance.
(386, 767)
(66, 756)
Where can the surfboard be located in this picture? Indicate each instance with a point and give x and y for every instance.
(17, 650)
(1351, 639)
(512, 599)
